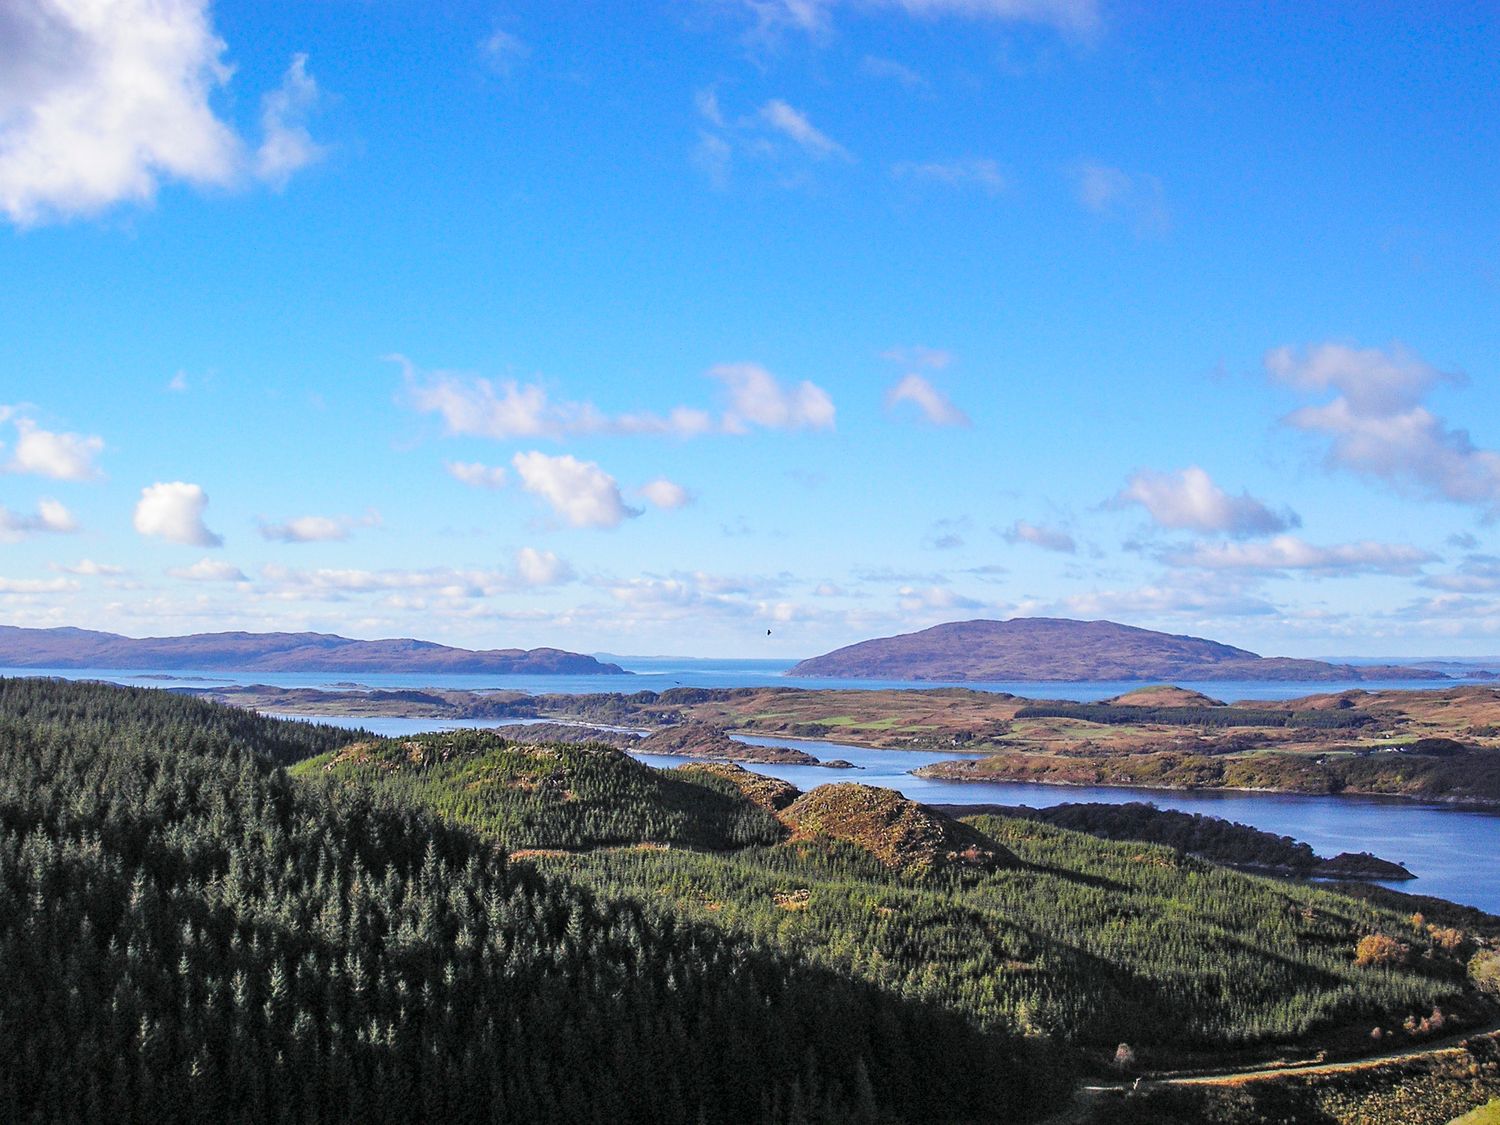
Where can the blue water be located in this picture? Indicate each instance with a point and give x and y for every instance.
(658, 673)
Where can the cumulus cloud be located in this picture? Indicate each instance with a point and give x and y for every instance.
(1189, 500)
(1290, 553)
(1137, 199)
(580, 492)
(287, 146)
(541, 568)
(663, 493)
(50, 516)
(208, 570)
(1040, 535)
(101, 102)
(936, 407)
(758, 398)
(475, 474)
(60, 456)
(975, 172)
(173, 510)
(793, 124)
(1378, 426)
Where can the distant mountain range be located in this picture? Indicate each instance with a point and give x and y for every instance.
(1050, 648)
(277, 652)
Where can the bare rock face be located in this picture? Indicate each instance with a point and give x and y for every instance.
(902, 834)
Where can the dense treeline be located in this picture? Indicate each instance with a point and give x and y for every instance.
(187, 934)
(1125, 715)
(1212, 837)
(1090, 942)
(553, 796)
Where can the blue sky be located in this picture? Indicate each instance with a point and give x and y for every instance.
(647, 329)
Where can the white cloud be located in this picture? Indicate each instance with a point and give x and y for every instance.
(173, 511)
(209, 570)
(88, 568)
(980, 173)
(706, 101)
(178, 383)
(476, 474)
(306, 529)
(1290, 553)
(51, 516)
(1477, 574)
(1189, 500)
(793, 124)
(878, 67)
(913, 599)
(286, 146)
(935, 406)
(1167, 600)
(580, 492)
(477, 407)
(1040, 535)
(103, 100)
(503, 52)
(757, 398)
(918, 356)
(1137, 199)
(714, 157)
(59, 456)
(541, 568)
(1378, 426)
(36, 585)
(1074, 17)
(664, 493)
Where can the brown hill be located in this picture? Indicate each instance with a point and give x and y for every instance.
(900, 833)
(695, 739)
(769, 793)
(277, 652)
(1049, 648)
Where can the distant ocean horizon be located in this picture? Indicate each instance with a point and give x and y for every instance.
(660, 673)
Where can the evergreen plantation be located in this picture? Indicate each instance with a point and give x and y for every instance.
(460, 928)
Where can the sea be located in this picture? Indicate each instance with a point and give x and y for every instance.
(1455, 853)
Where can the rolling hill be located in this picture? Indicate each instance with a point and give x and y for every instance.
(1048, 648)
(277, 652)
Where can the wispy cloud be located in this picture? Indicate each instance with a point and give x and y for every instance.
(286, 146)
(476, 474)
(1134, 198)
(506, 408)
(933, 405)
(793, 124)
(973, 172)
(1291, 553)
(208, 570)
(1040, 535)
(1378, 425)
(503, 51)
(1079, 18)
(315, 529)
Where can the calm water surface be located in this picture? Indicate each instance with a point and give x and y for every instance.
(661, 673)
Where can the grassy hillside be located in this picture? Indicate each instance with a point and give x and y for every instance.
(525, 795)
